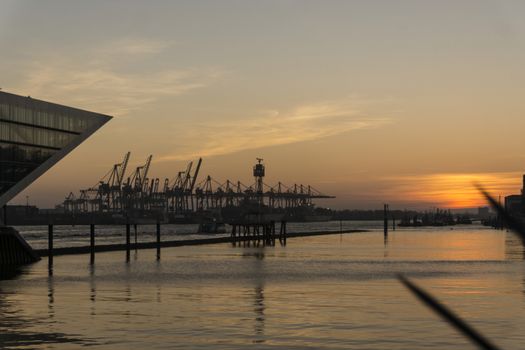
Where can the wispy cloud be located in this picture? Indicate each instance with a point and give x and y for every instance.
(275, 127)
(135, 46)
(104, 90)
(96, 79)
(123, 76)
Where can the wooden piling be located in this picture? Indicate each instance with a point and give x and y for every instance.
(158, 240)
(386, 219)
(282, 233)
(258, 232)
(285, 234)
(50, 244)
(92, 243)
(128, 239)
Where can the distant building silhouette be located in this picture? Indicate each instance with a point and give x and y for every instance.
(515, 203)
(483, 213)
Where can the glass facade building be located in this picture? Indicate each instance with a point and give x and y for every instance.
(34, 135)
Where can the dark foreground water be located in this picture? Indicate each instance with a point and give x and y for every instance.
(326, 292)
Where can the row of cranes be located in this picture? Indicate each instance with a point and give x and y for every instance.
(139, 194)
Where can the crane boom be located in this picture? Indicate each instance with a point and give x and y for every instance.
(195, 175)
(123, 167)
(187, 176)
(146, 168)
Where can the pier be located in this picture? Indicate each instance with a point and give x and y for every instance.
(252, 236)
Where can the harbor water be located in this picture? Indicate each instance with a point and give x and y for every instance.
(339, 291)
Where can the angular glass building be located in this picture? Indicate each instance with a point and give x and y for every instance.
(35, 135)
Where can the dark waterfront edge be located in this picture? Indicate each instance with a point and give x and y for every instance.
(168, 244)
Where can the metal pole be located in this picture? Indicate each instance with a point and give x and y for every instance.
(158, 240)
(50, 244)
(92, 242)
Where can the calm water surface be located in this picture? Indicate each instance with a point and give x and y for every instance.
(326, 292)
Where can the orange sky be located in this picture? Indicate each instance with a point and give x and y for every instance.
(456, 190)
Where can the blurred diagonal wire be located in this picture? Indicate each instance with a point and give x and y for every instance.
(514, 224)
(453, 319)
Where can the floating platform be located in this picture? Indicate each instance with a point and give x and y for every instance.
(14, 250)
(170, 244)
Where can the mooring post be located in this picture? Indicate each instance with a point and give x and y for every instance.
(128, 232)
(158, 240)
(386, 219)
(234, 235)
(393, 223)
(92, 242)
(284, 231)
(50, 244)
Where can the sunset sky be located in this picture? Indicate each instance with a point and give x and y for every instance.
(405, 102)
